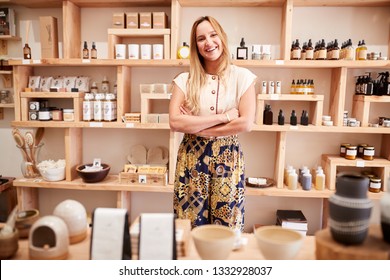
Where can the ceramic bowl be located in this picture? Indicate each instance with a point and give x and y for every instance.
(94, 176)
(24, 220)
(277, 243)
(213, 242)
(9, 244)
(53, 174)
(75, 216)
(48, 239)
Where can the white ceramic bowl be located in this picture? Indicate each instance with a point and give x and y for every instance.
(75, 216)
(277, 243)
(48, 239)
(213, 242)
(53, 174)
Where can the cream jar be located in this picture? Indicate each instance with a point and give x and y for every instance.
(351, 152)
(375, 184)
(68, 115)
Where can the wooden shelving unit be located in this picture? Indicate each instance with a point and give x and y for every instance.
(73, 130)
(361, 106)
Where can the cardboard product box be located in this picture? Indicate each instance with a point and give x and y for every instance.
(145, 20)
(160, 20)
(49, 36)
(119, 20)
(132, 20)
(7, 21)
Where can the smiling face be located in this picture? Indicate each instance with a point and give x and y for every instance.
(208, 42)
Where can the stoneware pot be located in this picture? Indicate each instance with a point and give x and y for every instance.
(48, 239)
(9, 244)
(24, 220)
(350, 209)
(75, 216)
(385, 213)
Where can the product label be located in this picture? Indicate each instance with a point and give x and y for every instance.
(351, 152)
(375, 185)
(309, 54)
(369, 152)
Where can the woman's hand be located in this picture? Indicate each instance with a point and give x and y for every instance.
(185, 111)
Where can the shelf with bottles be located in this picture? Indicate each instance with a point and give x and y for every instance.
(118, 36)
(314, 113)
(331, 163)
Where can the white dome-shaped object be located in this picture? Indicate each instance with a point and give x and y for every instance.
(48, 239)
(75, 216)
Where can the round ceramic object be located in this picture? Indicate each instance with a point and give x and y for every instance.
(277, 243)
(385, 214)
(9, 244)
(350, 209)
(24, 220)
(48, 239)
(75, 217)
(213, 242)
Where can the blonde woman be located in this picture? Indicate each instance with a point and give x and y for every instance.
(211, 104)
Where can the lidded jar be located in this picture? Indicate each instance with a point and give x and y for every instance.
(350, 209)
(385, 213)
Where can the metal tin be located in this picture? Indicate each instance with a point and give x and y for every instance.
(368, 153)
(375, 185)
(33, 105)
(351, 152)
(33, 115)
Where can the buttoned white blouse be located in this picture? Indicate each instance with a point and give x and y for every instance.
(214, 97)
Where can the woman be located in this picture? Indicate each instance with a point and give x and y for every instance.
(211, 104)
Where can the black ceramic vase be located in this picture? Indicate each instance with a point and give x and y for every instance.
(385, 214)
(350, 209)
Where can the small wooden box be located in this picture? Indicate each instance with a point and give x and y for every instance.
(49, 37)
(145, 20)
(132, 20)
(119, 20)
(147, 179)
(160, 20)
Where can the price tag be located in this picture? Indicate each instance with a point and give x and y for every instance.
(96, 124)
(293, 127)
(26, 61)
(279, 62)
(86, 61)
(129, 125)
(274, 96)
(360, 163)
(36, 61)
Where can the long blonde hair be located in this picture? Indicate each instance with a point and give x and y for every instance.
(197, 76)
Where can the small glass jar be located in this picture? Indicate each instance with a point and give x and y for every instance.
(375, 184)
(368, 153)
(361, 150)
(44, 114)
(343, 149)
(351, 152)
(57, 115)
(68, 115)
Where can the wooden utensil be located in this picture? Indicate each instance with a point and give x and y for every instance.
(30, 143)
(39, 135)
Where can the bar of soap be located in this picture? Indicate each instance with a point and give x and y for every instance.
(257, 181)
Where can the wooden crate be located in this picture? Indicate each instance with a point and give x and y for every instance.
(147, 179)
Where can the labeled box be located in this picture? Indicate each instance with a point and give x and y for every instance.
(7, 22)
(48, 28)
(160, 20)
(132, 20)
(145, 20)
(119, 20)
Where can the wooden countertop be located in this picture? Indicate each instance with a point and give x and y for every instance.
(250, 251)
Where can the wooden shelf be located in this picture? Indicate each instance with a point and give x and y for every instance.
(5, 72)
(325, 129)
(330, 164)
(361, 106)
(9, 38)
(36, 94)
(7, 105)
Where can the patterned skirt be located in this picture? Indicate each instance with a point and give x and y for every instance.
(209, 181)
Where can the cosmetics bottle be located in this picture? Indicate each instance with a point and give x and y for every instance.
(304, 118)
(296, 51)
(309, 51)
(281, 117)
(357, 50)
(268, 115)
(303, 52)
(349, 51)
(26, 51)
(335, 54)
(242, 51)
(362, 54)
(85, 51)
(306, 180)
(293, 118)
(93, 51)
(292, 181)
(322, 51)
(293, 87)
(105, 85)
(311, 86)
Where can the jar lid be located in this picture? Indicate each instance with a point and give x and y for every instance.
(68, 110)
(375, 180)
(351, 147)
(369, 147)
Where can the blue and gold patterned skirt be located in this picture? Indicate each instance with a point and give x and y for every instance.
(209, 181)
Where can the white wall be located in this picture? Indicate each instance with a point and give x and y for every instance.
(257, 26)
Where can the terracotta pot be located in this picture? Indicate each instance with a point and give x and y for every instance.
(350, 209)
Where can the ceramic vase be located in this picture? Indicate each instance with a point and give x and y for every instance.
(350, 209)
(385, 214)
